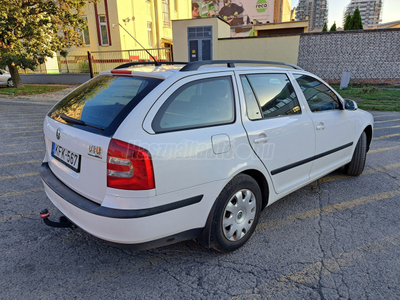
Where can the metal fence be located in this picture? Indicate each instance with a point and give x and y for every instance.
(103, 60)
(73, 64)
(106, 60)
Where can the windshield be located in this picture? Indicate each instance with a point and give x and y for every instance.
(102, 103)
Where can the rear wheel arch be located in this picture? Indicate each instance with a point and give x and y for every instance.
(204, 237)
(262, 183)
(236, 213)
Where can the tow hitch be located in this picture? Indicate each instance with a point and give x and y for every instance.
(63, 221)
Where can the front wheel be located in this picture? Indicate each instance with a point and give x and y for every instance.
(236, 213)
(356, 166)
(10, 83)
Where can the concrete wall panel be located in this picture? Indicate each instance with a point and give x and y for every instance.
(282, 48)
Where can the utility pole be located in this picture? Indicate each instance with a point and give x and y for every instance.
(157, 29)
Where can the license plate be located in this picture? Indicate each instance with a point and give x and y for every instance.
(67, 157)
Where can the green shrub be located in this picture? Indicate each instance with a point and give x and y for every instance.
(83, 66)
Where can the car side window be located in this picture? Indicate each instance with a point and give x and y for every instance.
(274, 93)
(319, 97)
(201, 103)
(253, 110)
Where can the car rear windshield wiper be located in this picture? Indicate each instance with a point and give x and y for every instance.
(78, 122)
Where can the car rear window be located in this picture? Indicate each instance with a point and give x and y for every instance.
(101, 104)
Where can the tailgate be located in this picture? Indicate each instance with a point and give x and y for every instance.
(78, 158)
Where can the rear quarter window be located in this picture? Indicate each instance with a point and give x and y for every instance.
(202, 103)
(103, 102)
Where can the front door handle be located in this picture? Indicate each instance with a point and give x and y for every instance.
(261, 140)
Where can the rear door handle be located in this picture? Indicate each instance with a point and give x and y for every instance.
(321, 126)
(261, 140)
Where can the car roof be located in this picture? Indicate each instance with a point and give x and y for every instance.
(165, 70)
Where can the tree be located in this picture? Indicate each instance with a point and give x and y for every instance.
(356, 20)
(64, 54)
(333, 27)
(30, 31)
(353, 22)
(348, 25)
(325, 28)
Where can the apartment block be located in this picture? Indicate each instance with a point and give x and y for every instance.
(315, 11)
(370, 11)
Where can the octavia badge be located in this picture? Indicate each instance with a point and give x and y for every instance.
(58, 133)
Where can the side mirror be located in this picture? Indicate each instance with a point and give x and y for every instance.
(350, 104)
(1, 72)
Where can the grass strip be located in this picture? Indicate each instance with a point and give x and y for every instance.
(31, 90)
(380, 98)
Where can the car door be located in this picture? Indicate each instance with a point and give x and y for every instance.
(279, 131)
(334, 127)
(194, 133)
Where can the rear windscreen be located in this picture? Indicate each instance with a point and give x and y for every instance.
(101, 104)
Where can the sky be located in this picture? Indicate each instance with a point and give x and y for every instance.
(391, 11)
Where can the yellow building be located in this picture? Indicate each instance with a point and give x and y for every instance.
(210, 39)
(282, 11)
(148, 21)
(112, 24)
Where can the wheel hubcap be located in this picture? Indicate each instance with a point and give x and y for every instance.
(239, 215)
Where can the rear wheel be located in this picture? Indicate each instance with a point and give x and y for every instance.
(236, 214)
(10, 83)
(357, 163)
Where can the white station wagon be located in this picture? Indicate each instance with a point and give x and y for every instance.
(153, 155)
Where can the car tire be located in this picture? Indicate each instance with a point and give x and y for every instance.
(357, 163)
(10, 83)
(236, 214)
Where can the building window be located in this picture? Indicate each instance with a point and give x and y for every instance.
(85, 34)
(150, 34)
(165, 11)
(103, 31)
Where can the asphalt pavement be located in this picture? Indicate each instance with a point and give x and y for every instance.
(338, 238)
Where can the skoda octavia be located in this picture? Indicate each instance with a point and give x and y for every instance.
(153, 155)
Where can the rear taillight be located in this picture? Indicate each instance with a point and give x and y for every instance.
(129, 167)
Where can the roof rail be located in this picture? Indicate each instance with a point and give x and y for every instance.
(193, 66)
(133, 64)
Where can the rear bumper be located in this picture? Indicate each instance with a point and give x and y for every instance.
(134, 228)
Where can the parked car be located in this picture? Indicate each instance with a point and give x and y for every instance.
(153, 155)
(5, 78)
